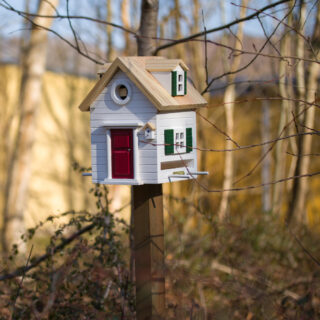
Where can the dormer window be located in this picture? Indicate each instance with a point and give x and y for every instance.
(178, 83)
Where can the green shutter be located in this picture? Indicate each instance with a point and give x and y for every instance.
(173, 83)
(185, 82)
(189, 139)
(168, 141)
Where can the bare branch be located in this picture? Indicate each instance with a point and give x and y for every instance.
(226, 26)
(59, 16)
(219, 130)
(252, 60)
(22, 270)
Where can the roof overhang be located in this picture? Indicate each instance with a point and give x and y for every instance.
(135, 70)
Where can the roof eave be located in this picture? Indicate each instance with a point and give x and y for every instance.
(182, 107)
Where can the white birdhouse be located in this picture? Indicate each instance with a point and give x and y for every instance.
(143, 122)
(149, 131)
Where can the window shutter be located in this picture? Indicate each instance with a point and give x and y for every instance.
(185, 82)
(189, 140)
(173, 83)
(169, 143)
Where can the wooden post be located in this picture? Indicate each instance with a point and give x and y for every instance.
(149, 251)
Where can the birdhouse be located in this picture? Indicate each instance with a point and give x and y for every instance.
(149, 131)
(143, 122)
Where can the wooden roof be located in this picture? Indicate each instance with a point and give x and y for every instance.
(135, 69)
(102, 69)
(164, 64)
(149, 125)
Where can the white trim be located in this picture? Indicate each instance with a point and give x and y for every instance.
(121, 181)
(135, 143)
(109, 160)
(179, 177)
(135, 152)
(123, 124)
(200, 173)
(114, 95)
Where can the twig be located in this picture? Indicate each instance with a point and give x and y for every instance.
(205, 49)
(251, 61)
(305, 250)
(270, 149)
(306, 39)
(218, 129)
(226, 26)
(303, 155)
(59, 16)
(20, 284)
(237, 273)
(56, 34)
(22, 270)
(239, 147)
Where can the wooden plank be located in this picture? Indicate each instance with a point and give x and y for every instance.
(165, 64)
(149, 251)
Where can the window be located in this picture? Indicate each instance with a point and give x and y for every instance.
(178, 83)
(121, 92)
(178, 141)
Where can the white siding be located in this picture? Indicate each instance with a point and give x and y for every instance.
(165, 79)
(105, 111)
(175, 120)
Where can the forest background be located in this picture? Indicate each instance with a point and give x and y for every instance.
(241, 242)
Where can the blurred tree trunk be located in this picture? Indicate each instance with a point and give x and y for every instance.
(25, 33)
(125, 19)
(228, 102)
(180, 53)
(30, 96)
(198, 67)
(284, 113)
(110, 50)
(148, 27)
(266, 165)
(297, 205)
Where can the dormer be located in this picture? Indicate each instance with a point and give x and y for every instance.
(172, 75)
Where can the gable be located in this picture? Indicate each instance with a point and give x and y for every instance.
(135, 70)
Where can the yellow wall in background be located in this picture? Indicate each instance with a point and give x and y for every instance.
(62, 138)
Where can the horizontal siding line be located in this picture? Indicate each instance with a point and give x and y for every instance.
(147, 116)
(135, 97)
(182, 121)
(129, 109)
(105, 110)
(142, 115)
(100, 123)
(174, 125)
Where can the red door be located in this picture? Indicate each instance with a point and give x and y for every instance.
(122, 153)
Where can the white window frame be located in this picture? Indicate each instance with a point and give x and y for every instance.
(179, 141)
(114, 94)
(180, 83)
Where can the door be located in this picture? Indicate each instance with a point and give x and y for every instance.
(122, 153)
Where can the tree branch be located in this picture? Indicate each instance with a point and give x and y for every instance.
(226, 26)
(22, 270)
(59, 16)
